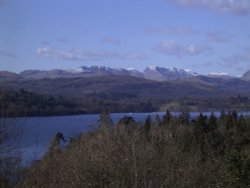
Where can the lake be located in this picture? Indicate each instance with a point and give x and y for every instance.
(37, 132)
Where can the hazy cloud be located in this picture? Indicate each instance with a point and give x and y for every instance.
(134, 56)
(203, 64)
(240, 59)
(239, 7)
(4, 53)
(111, 40)
(86, 55)
(45, 43)
(170, 47)
(57, 54)
(63, 40)
(218, 37)
(169, 30)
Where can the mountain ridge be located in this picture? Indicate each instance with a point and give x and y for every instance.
(155, 73)
(246, 76)
(131, 94)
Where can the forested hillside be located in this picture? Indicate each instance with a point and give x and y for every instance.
(122, 94)
(24, 103)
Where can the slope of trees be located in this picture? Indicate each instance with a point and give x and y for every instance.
(24, 103)
(165, 152)
(127, 94)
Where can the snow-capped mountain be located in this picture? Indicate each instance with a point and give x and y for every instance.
(152, 73)
(162, 73)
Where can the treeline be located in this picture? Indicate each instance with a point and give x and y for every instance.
(163, 152)
(128, 94)
(25, 103)
(238, 103)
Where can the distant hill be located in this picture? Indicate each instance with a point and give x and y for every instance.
(92, 89)
(24, 103)
(155, 73)
(6, 75)
(163, 74)
(131, 94)
(151, 73)
(246, 76)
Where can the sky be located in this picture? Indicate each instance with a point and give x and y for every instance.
(206, 36)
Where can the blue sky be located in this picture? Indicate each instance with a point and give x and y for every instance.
(207, 36)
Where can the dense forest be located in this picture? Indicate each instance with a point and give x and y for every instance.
(22, 102)
(66, 96)
(207, 151)
(25, 103)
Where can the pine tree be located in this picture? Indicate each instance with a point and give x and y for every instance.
(212, 123)
(147, 124)
(167, 118)
(158, 121)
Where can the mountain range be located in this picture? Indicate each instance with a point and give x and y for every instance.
(150, 73)
(155, 73)
(91, 89)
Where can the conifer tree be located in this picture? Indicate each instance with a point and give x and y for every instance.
(167, 118)
(212, 122)
(147, 124)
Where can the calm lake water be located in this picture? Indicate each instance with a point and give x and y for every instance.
(37, 132)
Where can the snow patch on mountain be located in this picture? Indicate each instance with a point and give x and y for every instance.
(218, 74)
(152, 73)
